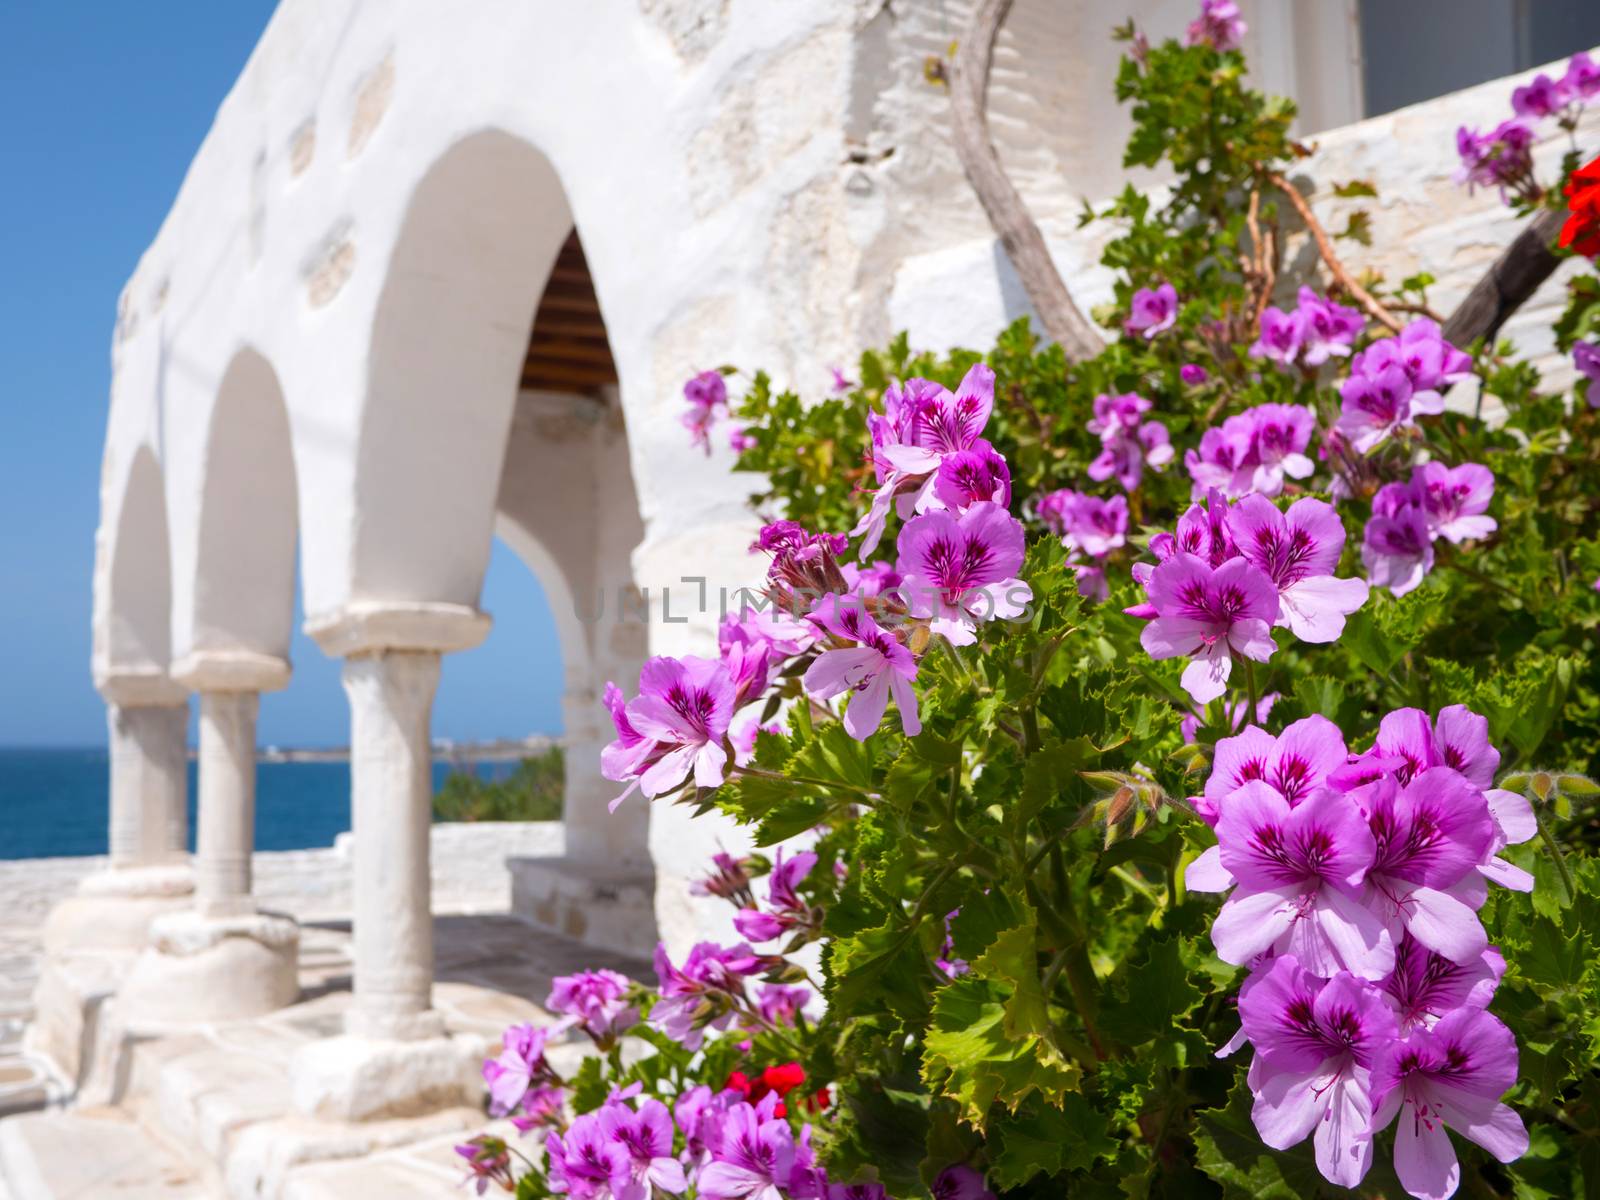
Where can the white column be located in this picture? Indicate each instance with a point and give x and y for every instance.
(148, 821)
(391, 698)
(394, 1058)
(221, 960)
(227, 810)
(148, 786)
(596, 836)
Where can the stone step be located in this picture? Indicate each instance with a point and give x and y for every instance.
(93, 1152)
(24, 1086)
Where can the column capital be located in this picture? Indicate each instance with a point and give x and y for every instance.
(231, 671)
(139, 687)
(373, 626)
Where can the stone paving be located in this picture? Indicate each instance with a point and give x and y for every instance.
(469, 876)
(205, 1112)
(24, 1082)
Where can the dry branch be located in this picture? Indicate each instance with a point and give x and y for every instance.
(1019, 234)
(1325, 248)
(1513, 277)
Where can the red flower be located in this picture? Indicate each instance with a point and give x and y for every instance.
(780, 1079)
(784, 1079)
(1581, 233)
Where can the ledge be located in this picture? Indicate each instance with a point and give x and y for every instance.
(140, 687)
(371, 627)
(231, 671)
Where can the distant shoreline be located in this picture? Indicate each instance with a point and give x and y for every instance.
(499, 750)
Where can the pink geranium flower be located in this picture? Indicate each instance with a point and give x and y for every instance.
(962, 570)
(872, 670)
(1153, 311)
(1425, 985)
(921, 424)
(519, 1063)
(684, 707)
(1218, 25)
(585, 1164)
(1396, 548)
(1452, 1075)
(786, 910)
(1209, 615)
(1280, 337)
(645, 1137)
(753, 1159)
(1430, 836)
(1128, 443)
(1299, 873)
(597, 1001)
(1299, 551)
(1316, 1042)
(1455, 499)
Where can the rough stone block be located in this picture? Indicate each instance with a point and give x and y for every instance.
(212, 969)
(587, 903)
(359, 1079)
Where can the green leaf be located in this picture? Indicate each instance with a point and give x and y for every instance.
(790, 818)
(1377, 651)
(1319, 695)
(884, 964)
(1552, 957)
(836, 755)
(1066, 1137)
(589, 1086)
(1157, 994)
(983, 917)
(1014, 959)
(1231, 1152)
(1050, 776)
(969, 1056)
(1354, 188)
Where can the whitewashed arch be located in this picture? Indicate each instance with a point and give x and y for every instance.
(480, 234)
(133, 599)
(242, 590)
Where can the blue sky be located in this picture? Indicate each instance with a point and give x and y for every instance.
(104, 105)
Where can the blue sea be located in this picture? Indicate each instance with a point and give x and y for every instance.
(53, 802)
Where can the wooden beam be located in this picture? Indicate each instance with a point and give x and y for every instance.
(557, 302)
(569, 350)
(542, 372)
(554, 326)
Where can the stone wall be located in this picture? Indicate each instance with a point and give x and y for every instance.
(1422, 219)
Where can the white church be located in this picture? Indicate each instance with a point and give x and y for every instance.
(437, 275)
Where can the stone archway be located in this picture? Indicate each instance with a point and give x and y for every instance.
(242, 591)
(224, 960)
(447, 354)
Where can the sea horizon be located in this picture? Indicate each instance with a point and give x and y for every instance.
(54, 800)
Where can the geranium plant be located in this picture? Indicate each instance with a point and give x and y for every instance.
(1171, 765)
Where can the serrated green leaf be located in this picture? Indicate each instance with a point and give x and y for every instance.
(969, 1057)
(1157, 993)
(1067, 1137)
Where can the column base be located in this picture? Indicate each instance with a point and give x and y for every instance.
(114, 907)
(208, 968)
(350, 1078)
(613, 910)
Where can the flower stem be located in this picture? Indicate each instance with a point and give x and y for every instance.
(1139, 886)
(1551, 845)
